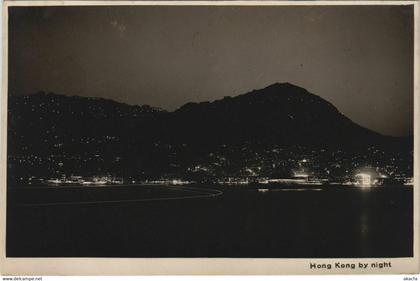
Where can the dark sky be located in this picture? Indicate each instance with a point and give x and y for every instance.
(360, 58)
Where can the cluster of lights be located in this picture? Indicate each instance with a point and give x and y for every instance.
(366, 180)
(363, 180)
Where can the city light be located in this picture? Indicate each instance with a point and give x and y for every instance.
(301, 175)
(363, 180)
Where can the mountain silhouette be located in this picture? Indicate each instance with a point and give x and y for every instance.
(50, 135)
(281, 113)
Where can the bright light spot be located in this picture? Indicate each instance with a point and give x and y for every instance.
(301, 175)
(363, 180)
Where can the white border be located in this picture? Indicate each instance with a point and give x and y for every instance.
(195, 266)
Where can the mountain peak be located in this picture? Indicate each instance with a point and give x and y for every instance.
(282, 92)
(284, 86)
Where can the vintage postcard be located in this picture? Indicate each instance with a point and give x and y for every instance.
(209, 138)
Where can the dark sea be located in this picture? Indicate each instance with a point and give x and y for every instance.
(215, 221)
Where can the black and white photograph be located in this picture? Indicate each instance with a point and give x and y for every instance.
(211, 131)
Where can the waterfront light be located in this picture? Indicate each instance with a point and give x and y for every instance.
(363, 180)
(300, 175)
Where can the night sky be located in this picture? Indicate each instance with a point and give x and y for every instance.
(359, 58)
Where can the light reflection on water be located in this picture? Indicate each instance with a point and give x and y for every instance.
(342, 221)
(364, 221)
